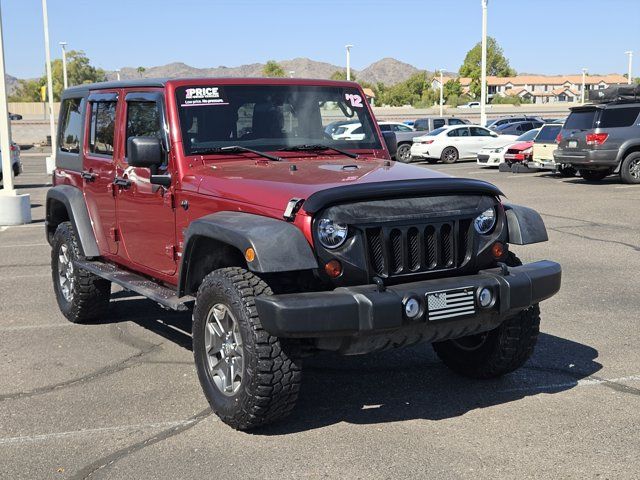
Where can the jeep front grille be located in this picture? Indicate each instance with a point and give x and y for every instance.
(405, 250)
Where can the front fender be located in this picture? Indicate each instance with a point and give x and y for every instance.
(525, 225)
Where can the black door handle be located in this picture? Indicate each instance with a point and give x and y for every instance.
(88, 176)
(122, 182)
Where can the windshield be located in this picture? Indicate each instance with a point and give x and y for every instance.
(271, 117)
(548, 134)
(530, 135)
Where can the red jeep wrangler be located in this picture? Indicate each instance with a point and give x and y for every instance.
(232, 195)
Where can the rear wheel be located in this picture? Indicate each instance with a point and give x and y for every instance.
(498, 351)
(81, 295)
(594, 175)
(630, 168)
(449, 155)
(246, 375)
(404, 153)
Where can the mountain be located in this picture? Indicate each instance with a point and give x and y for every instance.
(11, 83)
(388, 70)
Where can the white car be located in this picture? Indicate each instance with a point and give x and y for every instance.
(15, 160)
(450, 144)
(493, 156)
(350, 131)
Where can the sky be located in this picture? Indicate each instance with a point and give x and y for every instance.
(538, 36)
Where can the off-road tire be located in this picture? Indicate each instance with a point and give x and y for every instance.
(90, 294)
(403, 154)
(270, 379)
(449, 155)
(630, 168)
(499, 351)
(594, 175)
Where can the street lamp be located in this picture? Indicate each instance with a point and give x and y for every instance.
(14, 209)
(441, 93)
(483, 80)
(45, 21)
(584, 74)
(118, 74)
(630, 54)
(64, 64)
(348, 47)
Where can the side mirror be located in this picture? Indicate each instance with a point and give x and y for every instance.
(144, 152)
(391, 142)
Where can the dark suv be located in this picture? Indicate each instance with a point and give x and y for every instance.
(599, 139)
(228, 197)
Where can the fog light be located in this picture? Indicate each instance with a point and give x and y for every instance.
(497, 250)
(412, 307)
(333, 268)
(485, 298)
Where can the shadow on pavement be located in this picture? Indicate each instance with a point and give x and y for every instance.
(391, 386)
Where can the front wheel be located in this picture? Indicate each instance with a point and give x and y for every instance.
(630, 168)
(245, 373)
(594, 175)
(404, 153)
(449, 155)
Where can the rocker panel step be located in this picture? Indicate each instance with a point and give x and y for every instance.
(137, 283)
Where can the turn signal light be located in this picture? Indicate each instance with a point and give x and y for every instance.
(497, 250)
(596, 138)
(559, 138)
(250, 254)
(333, 268)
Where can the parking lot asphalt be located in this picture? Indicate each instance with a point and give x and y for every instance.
(120, 399)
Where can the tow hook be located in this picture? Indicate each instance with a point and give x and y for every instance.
(504, 270)
(379, 284)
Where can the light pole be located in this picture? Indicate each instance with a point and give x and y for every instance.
(14, 209)
(483, 78)
(584, 75)
(441, 94)
(118, 74)
(291, 73)
(45, 21)
(64, 64)
(630, 54)
(348, 47)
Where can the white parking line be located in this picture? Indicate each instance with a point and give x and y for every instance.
(28, 225)
(92, 431)
(33, 327)
(35, 275)
(627, 186)
(24, 245)
(586, 382)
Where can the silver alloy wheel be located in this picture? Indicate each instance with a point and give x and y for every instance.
(404, 153)
(223, 345)
(634, 168)
(450, 155)
(65, 272)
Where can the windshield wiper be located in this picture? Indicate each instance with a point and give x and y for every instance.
(232, 149)
(313, 148)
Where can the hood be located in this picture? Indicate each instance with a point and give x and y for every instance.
(273, 184)
(521, 145)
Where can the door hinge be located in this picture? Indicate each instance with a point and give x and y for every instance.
(170, 200)
(114, 233)
(172, 252)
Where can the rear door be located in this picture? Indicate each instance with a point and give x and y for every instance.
(480, 138)
(146, 215)
(99, 168)
(580, 122)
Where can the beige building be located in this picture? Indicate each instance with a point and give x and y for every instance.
(540, 88)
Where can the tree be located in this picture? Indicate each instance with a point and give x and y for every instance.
(79, 71)
(342, 75)
(497, 64)
(452, 88)
(413, 91)
(273, 69)
(141, 71)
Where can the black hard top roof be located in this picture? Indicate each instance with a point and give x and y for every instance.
(143, 82)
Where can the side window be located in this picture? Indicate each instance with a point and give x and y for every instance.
(385, 128)
(71, 127)
(358, 131)
(454, 121)
(401, 128)
(143, 120)
(618, 117)
(439, 122)
(420, 125)
(103, 122)
(479, 132)
(459, 132)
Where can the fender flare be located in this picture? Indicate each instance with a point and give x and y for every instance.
(525, 225)
(279, 246)
(625, 147)
(73, 201)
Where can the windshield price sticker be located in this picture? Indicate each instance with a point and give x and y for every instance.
(203, 96)
(354, 100)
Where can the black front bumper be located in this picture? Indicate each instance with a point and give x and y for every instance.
(361, 310)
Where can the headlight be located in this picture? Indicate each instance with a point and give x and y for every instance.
(484, 222)
(498, 150)
(330, 233)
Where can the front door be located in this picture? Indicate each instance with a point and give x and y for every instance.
(98, 168)
(146, 218)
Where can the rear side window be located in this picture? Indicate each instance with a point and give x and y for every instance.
(548, 134)
(581, 120)
(103, 122)
(420, 125)
(71, 125)
(385, 128)
(454, 121)
(618, 117)
(438, 122)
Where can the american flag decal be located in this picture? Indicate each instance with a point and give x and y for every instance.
(451, 303)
